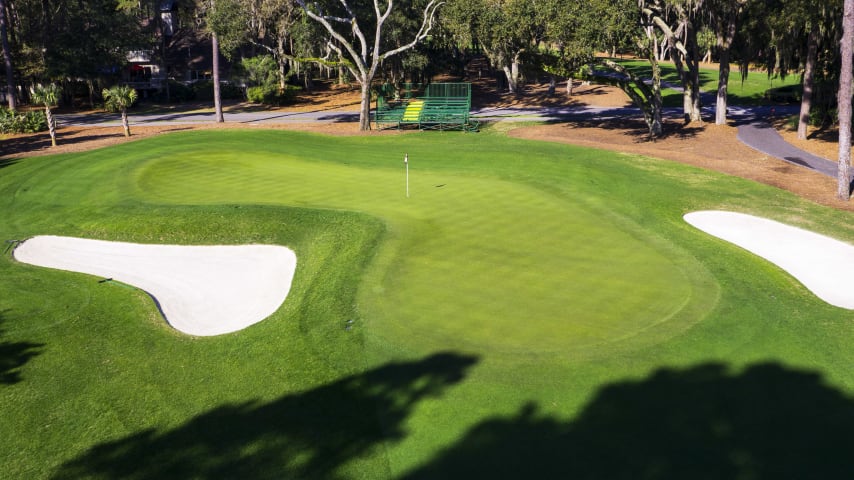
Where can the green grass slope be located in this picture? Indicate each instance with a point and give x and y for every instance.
(530, 309)
(757, 88)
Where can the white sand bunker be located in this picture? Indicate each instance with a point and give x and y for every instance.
(821, 263)
(201, 290)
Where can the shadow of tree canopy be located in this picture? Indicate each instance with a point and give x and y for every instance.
(303, 435)
(636, 127)
(768, 422)
(7, 162)
(13, 356)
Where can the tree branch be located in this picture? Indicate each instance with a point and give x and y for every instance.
(667, 31)
(426, 26)
(358, 60)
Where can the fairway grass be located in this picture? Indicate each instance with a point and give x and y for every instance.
(526, 299)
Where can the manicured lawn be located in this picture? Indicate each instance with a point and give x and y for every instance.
(532, 310)
(752, 90)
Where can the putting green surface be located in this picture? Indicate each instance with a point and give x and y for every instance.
(526, 299)
(473, 263)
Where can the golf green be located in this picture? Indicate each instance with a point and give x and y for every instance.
(471, 262)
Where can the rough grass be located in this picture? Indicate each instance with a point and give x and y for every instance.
(527, 304)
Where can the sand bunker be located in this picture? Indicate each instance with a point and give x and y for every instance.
(821, 263)
(201, 290)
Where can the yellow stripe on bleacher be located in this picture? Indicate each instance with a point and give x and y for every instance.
(413, 111)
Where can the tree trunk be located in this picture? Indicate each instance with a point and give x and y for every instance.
(91, 86)
(656, 129)
(365, 108)
(694, 114)
(309, 85)
(843, 190)
(281, 61)
(691, 102)
(723, 80)
(569, 86)
(7, 58)
(648, 100)
(125, 123)
(552, 85)
(164, 71)
(217, 98)
(687, 104)
(51, 125)
(727, 28)
(511, 72)
(686, 60)
(809, 69)
(650, 33)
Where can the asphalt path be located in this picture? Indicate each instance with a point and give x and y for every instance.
(754, 127)
(484, 114)
(762, 136)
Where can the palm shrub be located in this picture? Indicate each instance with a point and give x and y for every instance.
(47, 95)
(118, 99)
(17, 122)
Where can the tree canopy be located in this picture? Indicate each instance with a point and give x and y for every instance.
(88, 41)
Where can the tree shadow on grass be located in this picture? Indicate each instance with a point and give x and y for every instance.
(7, 162)
(636, 128)
(13, 356)
(23, 145)
(304, 435)
(768, 422)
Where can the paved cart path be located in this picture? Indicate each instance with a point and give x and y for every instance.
(762, 136)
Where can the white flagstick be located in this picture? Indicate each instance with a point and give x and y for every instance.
(406, 162)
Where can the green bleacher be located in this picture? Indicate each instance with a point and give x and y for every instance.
(439, 106)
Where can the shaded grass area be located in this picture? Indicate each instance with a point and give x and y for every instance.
(757, 88)
(703, 422)
(304, 435)
(14, 356)
(530, 309)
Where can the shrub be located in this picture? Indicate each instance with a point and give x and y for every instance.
(203, 90)
(270, 94)
(18, 122)
(823, 117)
(786, 94)
(792, 122)
(259, 71)
(34, 121)
(178, 92)
(260, 94)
